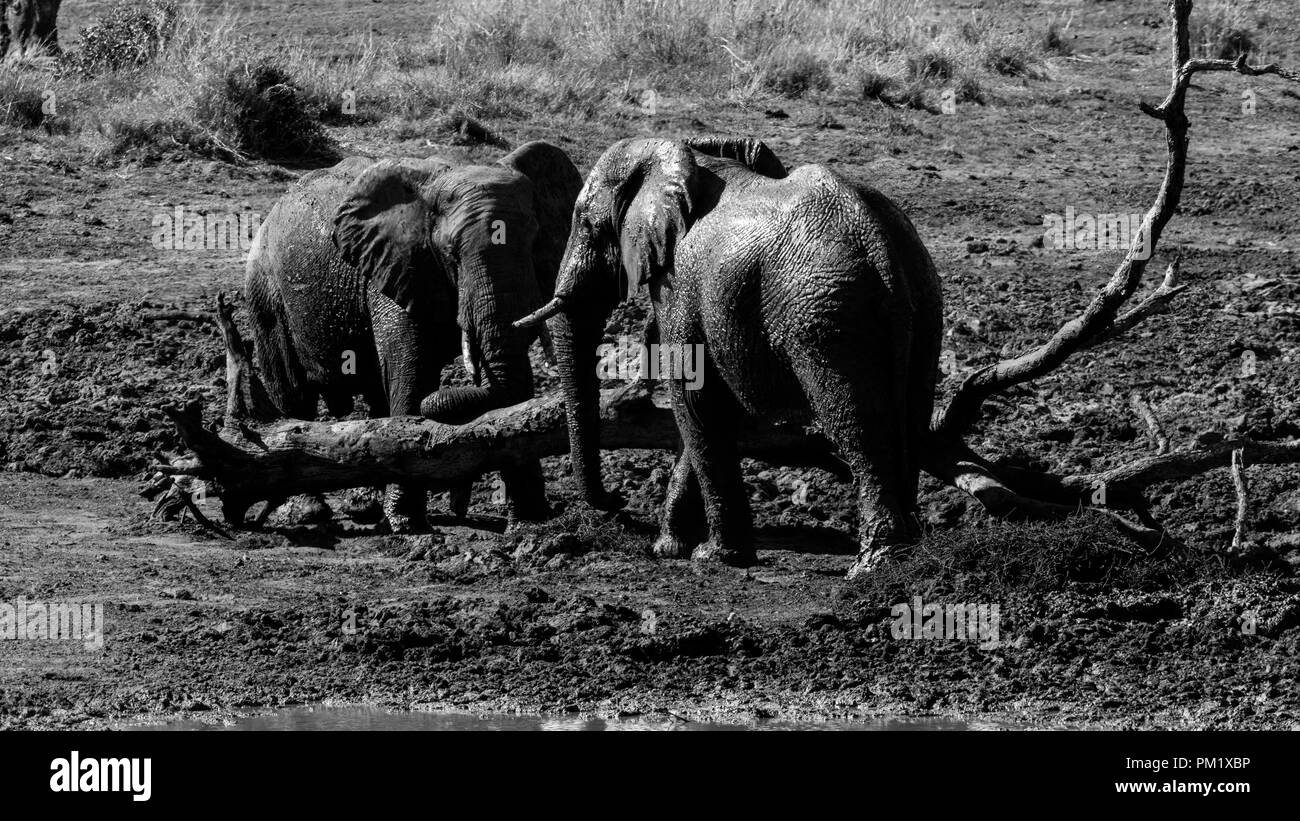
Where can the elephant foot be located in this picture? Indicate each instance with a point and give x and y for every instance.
(404, 510)
(866, 562)
(458, 499)
(304, 509)
(362, 505)
(400, 525)
(875, 553)
(670, 547)
(711, 551)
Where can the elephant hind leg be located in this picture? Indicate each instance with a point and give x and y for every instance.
(683, 525)
(858, 412)
(707, 419)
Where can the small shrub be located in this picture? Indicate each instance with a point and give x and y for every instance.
(1008, 60)
(969, 90)
(912, 96)
(127, 37)
(1054, 41)
(797, 75)
(930, 65)
(21, 100)
(256, 108)
(1233, 43)
(874, 85)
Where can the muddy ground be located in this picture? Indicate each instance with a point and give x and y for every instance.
(574, 616)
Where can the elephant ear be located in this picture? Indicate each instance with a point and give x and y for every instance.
(556, 183)
(655, 201)
(384, 227)
(753, 154)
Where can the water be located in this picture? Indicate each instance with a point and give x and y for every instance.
(372, 718)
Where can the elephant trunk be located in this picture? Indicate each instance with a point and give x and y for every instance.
(578, 313)
(576, 338)
(497, 351)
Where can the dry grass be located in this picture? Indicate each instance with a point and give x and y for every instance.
(500, 59)
(1226, 28)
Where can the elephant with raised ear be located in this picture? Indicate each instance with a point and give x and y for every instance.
(369, 277)
(811, 296)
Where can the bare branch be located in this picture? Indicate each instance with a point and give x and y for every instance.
(1243, 501)
(1184, 464)
(1143, 410)
(1100, 317)
(1156, 303)
(963, 469)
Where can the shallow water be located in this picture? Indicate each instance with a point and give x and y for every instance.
(373, 718)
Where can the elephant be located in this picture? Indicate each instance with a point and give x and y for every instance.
(812, 297)
(29, 24)
(370, 276)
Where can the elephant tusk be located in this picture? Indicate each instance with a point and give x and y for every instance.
(550, 309)
(548, 345)
(469, 360)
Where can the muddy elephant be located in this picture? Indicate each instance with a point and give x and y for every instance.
(811, 296)
(369, 277)
(29, 24)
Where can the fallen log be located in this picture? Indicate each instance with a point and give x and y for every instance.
(248, 463)
(254, 456)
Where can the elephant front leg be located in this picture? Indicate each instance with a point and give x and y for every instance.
(407, 372)
(683, 525)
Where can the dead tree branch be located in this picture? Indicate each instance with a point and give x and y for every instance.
(1001, 489)
(1243, 501)
(1148, 417)
(1100, 318)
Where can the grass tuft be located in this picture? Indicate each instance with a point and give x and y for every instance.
(129, 36)
(797, 75)
(258, 109)
(21, 99)
(1086, 552)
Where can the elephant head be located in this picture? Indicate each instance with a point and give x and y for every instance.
(631, 212)
(451, 244)
(636, 205)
